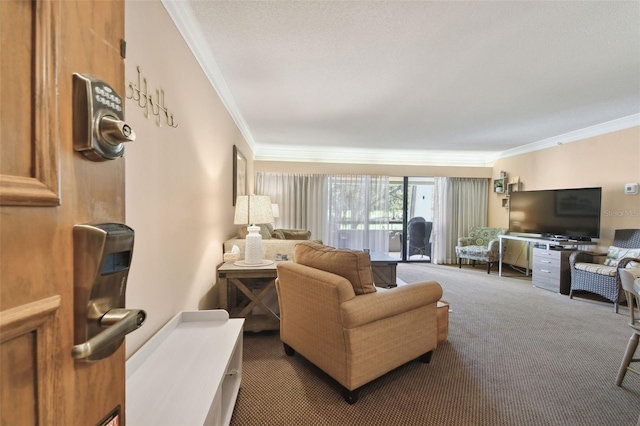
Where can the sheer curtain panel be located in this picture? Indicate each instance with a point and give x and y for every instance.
(350, 211)
(358, 212)
(301, 200)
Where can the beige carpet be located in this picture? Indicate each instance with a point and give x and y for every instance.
(516, 355)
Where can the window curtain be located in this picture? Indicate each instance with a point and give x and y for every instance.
(460, 203)
(358, 212)
(346, 211)
(301, 199)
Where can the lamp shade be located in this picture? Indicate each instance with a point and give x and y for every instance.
(252, 209)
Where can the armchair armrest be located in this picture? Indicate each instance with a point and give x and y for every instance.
(367, 308)
(581, 256)
(625, 261)
(494, 246)
(465, 241)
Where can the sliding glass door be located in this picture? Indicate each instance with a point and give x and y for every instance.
(411, 218)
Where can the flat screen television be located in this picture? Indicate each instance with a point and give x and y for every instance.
(573, 214)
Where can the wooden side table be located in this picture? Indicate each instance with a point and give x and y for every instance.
(383, 268)
(245, 292)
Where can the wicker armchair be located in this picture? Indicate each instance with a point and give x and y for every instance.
(603, 278)
(419, 234)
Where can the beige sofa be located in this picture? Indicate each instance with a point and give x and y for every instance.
(275, 242)
(333, 315)
(272, 248)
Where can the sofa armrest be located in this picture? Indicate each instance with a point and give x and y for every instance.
(367, 308)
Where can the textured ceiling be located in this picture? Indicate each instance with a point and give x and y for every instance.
(454, 82)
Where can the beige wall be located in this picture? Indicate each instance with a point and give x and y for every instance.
(178, 180)
(609, 161)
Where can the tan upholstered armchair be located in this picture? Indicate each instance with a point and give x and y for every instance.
(333, 315)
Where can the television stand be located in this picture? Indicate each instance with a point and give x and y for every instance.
(541, 242)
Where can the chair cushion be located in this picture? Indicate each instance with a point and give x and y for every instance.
(615, 254)
(597, 268)
(353, 265)
(476, 253)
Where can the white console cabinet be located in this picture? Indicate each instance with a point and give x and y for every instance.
(188, 373)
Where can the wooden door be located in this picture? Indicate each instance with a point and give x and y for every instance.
(45, 189)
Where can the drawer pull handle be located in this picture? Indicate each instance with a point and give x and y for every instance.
(544, 270)
(545, 261)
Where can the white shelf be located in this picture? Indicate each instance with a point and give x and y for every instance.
(188, 373)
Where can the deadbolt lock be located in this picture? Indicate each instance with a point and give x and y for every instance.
(99, 129)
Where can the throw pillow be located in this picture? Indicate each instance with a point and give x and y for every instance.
(295, 234)
(266, 230)
(616, 254)
(278, 234)
(353, 265)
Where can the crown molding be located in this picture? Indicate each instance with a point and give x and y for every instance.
(189, 28)
(295, 153)
(577, 135)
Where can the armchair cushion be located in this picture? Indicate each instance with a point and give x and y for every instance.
(353, 265)
(596, 268)
(615, 254)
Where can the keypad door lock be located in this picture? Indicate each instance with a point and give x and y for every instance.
(99, 129)
(102, 257)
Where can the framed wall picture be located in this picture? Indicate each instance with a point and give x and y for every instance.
(239, 174)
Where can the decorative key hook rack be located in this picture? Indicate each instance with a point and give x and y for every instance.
(153, 104)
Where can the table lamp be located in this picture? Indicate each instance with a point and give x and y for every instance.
(250, 210)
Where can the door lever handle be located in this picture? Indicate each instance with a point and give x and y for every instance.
(118, 322)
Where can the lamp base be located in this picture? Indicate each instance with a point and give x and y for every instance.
(264, 262)
(253, 246)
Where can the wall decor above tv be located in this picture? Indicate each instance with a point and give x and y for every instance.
(573, 214)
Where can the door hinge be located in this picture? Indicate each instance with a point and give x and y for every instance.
(123, 48)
